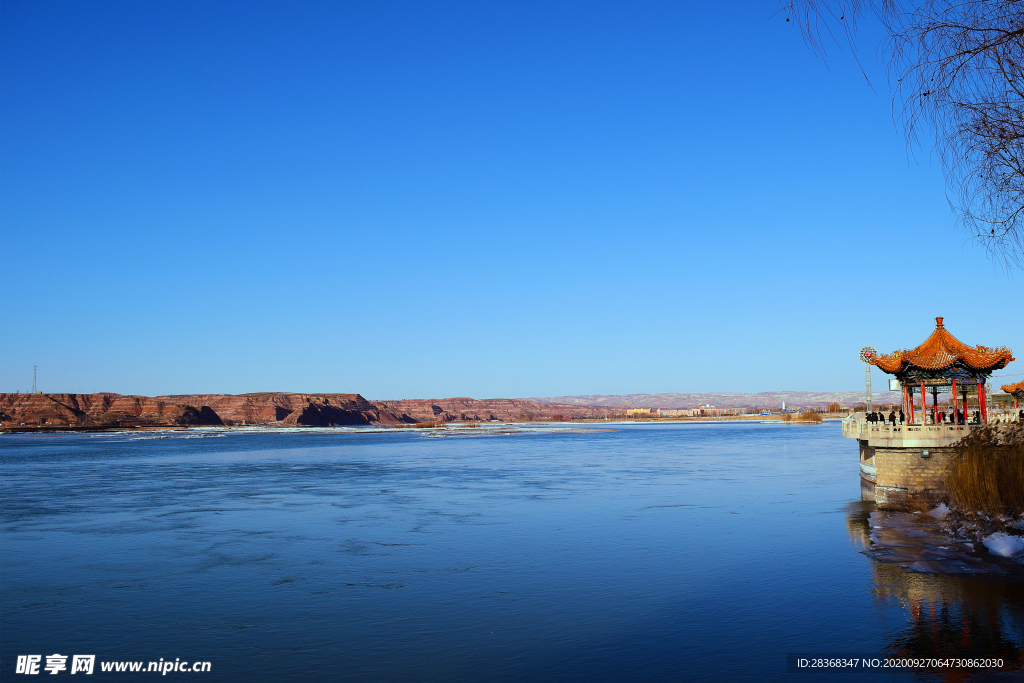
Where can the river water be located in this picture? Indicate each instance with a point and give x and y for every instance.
(703, 552)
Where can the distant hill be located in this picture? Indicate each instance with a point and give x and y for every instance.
(765, 399)
(114, 411)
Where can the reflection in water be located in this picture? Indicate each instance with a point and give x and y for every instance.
(948, 615)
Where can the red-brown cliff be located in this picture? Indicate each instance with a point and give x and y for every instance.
(470, 409)
(114, 410)
(290, 409)
(100, 410)
(266, 408)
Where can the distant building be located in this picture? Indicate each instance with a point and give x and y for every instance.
(642, 411)
(702, 411)
(712, 411)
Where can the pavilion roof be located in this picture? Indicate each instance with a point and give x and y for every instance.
(942, 350)
(1017, 388)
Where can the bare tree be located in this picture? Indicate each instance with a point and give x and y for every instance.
(957, 71)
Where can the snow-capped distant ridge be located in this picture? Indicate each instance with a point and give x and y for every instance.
(764, 399)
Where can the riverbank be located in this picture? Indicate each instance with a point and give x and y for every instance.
(51, 428)
(106, 411)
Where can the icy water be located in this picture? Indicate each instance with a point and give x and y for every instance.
(700, 552)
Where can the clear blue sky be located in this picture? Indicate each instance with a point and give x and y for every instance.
(461, 199)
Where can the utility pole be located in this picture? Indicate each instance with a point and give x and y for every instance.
(866, 354)
(867, 385)
(34, 390)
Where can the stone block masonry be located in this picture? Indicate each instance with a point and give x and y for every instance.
(910, 477)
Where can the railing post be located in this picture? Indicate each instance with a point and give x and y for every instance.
(983, 407)
(954, 401)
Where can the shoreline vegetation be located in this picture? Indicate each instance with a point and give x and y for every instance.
(987, 471)
(806, 416)
(986, 486)
(984, 500)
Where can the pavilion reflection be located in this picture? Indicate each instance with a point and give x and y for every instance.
(948, 615)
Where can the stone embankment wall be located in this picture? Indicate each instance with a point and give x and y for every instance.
(904, 479)
(906, 467)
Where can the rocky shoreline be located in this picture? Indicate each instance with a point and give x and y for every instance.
(944, 541)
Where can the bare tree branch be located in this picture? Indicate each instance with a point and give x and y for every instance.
(957, 71)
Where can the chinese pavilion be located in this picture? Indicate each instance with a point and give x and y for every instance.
(943, 363)
(1015, 390)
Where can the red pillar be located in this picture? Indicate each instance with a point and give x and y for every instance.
(910, 404)
(924, 404)
(954, 401)
(982, 402)
(905, 411)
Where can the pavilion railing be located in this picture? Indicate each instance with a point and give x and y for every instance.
(860, 428)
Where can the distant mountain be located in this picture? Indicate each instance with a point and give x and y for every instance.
(765, 399)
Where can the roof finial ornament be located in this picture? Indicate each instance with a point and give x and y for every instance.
(938, 321)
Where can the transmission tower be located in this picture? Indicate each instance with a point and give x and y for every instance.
(34, 390)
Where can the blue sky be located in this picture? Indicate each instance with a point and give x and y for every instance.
(461, 199)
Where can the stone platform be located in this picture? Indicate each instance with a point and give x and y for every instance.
(905, 463)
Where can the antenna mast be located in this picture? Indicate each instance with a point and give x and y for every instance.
(34, 390)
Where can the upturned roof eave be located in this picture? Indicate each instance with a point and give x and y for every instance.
(907, 366)
(938, 344)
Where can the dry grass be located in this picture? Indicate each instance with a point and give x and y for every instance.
(427, 425)
(987, 471)
(805, 416)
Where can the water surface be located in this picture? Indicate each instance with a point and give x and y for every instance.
(701, 552)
